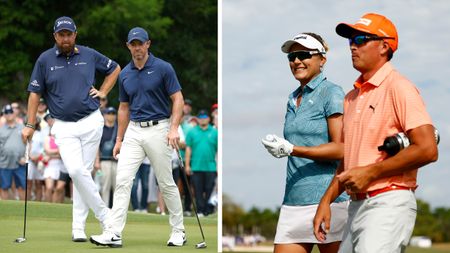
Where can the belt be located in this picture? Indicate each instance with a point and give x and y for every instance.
(370, 194)
(149, 123)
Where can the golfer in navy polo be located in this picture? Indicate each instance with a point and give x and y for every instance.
(64, 76)
(146, 86)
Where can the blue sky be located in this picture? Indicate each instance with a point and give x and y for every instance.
(257, 81)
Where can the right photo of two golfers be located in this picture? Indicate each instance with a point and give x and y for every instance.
(335, 126)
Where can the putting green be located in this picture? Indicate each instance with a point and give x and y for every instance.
(49, 230)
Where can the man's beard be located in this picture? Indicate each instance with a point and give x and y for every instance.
(66, 49)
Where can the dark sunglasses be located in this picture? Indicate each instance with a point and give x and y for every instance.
(361, 39)
(301, 55)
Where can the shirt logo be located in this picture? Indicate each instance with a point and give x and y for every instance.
(56, 67)
(149, 72)
(310, 101)
(35, 83)
(80, 63)
(109, 63)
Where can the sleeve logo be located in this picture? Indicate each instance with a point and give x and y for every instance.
(35, 83)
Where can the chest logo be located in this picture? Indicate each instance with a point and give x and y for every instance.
(80, 63)
(149, 72)
(56, 67)
(311, 102)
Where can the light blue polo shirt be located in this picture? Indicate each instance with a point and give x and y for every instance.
(65, 81)
(307, 180)
(203, 143)
(148, 90)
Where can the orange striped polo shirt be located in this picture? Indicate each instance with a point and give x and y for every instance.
(386, 104)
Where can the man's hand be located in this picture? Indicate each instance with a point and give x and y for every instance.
(173, 138)
(277, 146)
(27, 134)
(321, 221)
(188, 170)
(116, 149)
(356, 179)
(96, 93)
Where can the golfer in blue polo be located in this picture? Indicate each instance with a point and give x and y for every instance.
(146, 87)
(64, 76)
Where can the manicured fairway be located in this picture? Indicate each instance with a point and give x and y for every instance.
(49, 230)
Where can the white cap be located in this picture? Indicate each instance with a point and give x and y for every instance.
(305, 40)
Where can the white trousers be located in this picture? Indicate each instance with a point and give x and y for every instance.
(78, 143)
(137, 144)
(383, 223)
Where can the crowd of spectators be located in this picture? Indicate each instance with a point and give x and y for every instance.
(48, 179)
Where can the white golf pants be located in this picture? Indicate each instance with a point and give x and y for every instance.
(78, 143)
(137, 144)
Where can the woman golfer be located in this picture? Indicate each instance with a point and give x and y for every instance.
(312, 142)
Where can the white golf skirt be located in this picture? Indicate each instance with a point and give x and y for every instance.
(53, 168)
(295, 224)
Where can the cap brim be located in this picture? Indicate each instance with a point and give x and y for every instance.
(346, 30)
(202, 117)
(64, 28)
(137, 38)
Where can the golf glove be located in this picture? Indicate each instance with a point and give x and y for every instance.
(277, 146)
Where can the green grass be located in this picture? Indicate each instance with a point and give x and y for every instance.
(437, 248)
(49, 230)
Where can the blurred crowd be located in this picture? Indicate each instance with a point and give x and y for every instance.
(48, 179)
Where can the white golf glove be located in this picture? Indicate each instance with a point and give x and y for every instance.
(277, 146)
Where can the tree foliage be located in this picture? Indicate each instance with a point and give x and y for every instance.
(183, 33)
(432, 223)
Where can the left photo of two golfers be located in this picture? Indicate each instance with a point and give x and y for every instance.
(118, 121)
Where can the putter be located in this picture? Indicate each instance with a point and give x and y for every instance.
(23, 239)
(200, 245)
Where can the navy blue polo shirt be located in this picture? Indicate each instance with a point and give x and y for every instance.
(148, 90)
(65, 81)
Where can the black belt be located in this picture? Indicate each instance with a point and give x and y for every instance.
(150, 123)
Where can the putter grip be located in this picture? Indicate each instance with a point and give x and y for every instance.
(27, 151)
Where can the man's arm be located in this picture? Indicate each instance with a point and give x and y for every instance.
(423, 150)
(187, 158)
(33, 101)
(177, 112)
(322, 219)
(123, 118)
(107, 85)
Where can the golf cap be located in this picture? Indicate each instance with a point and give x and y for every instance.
(214, 107)
(202, 114)
(371, 23)
(64, 23)
(7, 109)
(187, 101)
(138, 33)
(305, 40)
(110, 110)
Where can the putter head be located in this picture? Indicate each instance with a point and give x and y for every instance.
(201, 245)
(20, 240)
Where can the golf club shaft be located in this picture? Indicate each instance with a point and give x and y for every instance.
(190, 192)
(27, 149)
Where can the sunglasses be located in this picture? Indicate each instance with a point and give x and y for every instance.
(362, 39)
(301, 55)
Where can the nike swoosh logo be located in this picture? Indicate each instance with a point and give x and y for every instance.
(115, 240)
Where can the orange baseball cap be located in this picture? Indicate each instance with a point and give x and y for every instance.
(371, 23)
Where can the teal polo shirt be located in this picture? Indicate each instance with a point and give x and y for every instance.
(203, 143)
(306, 125)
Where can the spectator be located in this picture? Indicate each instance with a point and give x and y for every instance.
(36, 165)
(41, 112)
(187, 110)
(12, 151)
(142, 177)
(215, 115)
(103, 104)
(54, 166)
(201, 150)
(107, 163)
(64, 178)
